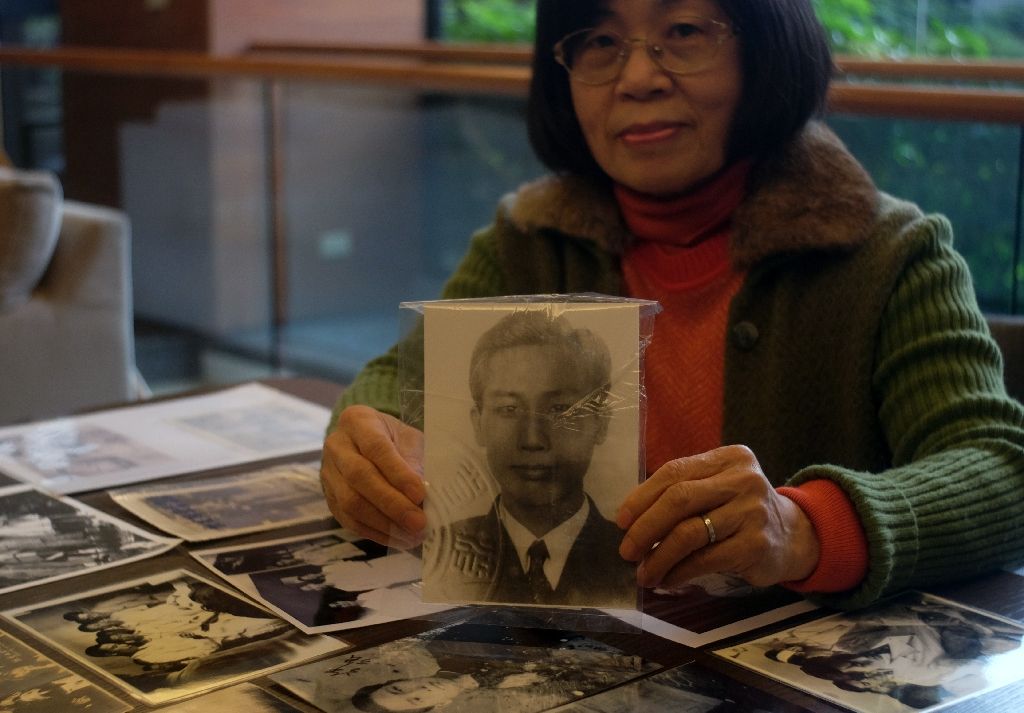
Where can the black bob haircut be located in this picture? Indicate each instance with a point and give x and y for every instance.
(786, 66)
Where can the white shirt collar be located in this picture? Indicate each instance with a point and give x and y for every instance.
(559, 540)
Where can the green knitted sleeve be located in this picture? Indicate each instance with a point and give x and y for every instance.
(377, 384)
(951, 506)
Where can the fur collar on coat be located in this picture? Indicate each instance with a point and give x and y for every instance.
(813, 195)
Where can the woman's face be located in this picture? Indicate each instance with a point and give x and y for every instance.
(650, 130)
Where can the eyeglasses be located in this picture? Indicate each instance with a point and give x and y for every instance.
(681, 45)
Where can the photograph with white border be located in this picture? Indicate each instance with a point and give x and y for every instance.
(233, 505)
(243, 697)
(465, 668)
(34, 682)
(713, 607)
(47, 538)
(683, 689)
(118, 447)
(913, 652)
(326, 581)
(531, 422)
(170, 636)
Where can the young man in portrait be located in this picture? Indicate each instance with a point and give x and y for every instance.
(540, 391)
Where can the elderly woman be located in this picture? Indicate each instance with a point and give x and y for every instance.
(825, 406)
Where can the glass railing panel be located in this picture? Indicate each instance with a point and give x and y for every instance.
(382, 191)
(187, 161)
(193, 181)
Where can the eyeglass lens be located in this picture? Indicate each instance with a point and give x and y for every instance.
(681, 45)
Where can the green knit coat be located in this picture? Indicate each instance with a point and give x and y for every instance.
(855, 352)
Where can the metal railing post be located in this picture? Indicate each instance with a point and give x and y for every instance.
(276, 227)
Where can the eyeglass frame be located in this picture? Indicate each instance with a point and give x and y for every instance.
(654, 51)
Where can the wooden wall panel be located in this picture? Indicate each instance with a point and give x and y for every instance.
(96, 107)
(236, 23)
(155, 24)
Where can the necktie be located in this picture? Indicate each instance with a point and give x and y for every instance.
(539, 585)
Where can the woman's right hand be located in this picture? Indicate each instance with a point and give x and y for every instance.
(372, 476)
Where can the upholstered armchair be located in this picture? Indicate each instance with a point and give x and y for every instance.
(66, 336)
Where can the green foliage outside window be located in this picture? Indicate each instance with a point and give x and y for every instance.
(487, 20)
(882, 28)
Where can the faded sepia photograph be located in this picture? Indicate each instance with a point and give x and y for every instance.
(465, 668)
(68, 448)
(168, 437)
(243, 697)
(170, 636)
(914, 652)
(531, 421)
(45, 538)
(34, 683)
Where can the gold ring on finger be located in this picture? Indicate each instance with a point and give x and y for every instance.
(710, 528)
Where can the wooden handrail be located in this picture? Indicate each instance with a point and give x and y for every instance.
(936, 69)
(941, 70)
(927, 102)
(470, 78)
(437, 51)
(383, 68)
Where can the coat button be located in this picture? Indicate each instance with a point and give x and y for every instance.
(745, 335)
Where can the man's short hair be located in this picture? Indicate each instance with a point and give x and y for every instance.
(533, 327)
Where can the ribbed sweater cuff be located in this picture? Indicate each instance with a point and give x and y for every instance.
(843, 559)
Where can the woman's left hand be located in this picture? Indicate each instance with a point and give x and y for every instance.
(762, 536)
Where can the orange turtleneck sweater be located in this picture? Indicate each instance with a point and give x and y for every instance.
(681, 259)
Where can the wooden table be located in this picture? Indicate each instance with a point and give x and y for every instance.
(1002, 593)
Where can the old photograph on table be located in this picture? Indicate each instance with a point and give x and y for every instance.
(914, 652)
(713, 607)
(44, 538)
(170, 636)
(243, 697)
(66, 450)
(232, 505)
(531, 420)
(465, 668)
(326, 581)
(34, 682)
(684, 689)
(118, 447)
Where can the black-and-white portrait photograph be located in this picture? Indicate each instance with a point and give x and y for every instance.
(465, 668)
(914, 652)
(531, 421)
(327, 581)
(243, 697)
(170, 636)
(234, 505)
(684, 689)
(45, 538)
(34, 683)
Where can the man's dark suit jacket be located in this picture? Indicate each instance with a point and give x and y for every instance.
(478, 563)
